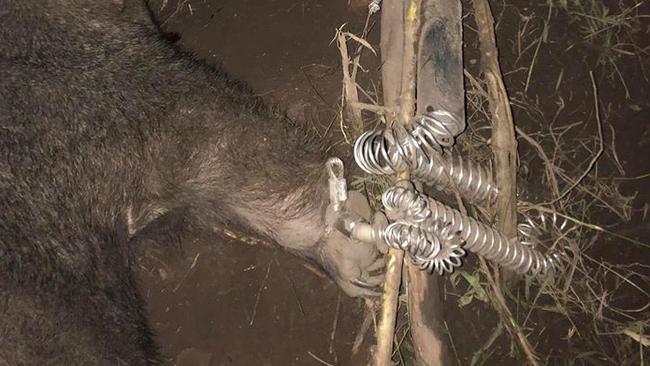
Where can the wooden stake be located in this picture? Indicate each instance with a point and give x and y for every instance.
(504, 145)
(504, 148)
(399, 28)
(439, 87)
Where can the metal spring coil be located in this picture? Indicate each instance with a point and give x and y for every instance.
(438, 126)
(477, 237)
(536, 223)
(417, 148)
(422, 246)
(430, 232)
(474, 180)
(432, 246)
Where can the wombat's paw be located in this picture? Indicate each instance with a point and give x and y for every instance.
(356, 266)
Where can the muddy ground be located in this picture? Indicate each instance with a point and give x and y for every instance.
(219, 301)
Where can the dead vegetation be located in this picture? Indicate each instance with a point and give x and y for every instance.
(598, 310)
(611, 31)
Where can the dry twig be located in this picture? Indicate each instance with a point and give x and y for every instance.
(349, 87)
(505, 153)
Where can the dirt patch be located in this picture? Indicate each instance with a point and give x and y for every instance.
(228, 303)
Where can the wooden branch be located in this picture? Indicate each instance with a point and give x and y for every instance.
(409, 60)
(388, 316)
(425, 317)
(439, 87)
(351, 96)
(398, 30)
(504, 144)
(392, 44)
(504, 148)
(378, 109)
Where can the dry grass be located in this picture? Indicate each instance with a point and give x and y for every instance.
(611, 31)
(598, 311)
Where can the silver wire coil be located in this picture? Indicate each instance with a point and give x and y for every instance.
(417, 148)
(428, 250)
(440, 126)
(477, 237)
(474, 181)
(434, 235)
(535, 224)
(431, 244)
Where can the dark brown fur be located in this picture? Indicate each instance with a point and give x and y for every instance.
(105, 128)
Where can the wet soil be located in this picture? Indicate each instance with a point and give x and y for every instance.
(219, 301)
